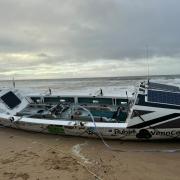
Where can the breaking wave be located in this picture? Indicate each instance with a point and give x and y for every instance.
(116, 86)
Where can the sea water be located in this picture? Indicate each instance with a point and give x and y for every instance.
(111, 86)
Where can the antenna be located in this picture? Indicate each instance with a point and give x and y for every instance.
(147, 58)
(14, 84)
(127, 96)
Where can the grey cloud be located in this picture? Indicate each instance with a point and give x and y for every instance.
(75, 31)
(93, 29)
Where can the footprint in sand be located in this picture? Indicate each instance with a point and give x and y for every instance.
(61, 163)
(12, 175)
(20, 157)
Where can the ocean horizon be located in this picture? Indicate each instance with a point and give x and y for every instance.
(113, 86)
(103, 77)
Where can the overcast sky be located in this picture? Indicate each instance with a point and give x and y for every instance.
(88, 38)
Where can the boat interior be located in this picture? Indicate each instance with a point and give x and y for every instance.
(101, 109)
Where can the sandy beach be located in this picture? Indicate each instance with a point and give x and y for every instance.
(34, 156)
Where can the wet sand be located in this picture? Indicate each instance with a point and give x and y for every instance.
(34, 156)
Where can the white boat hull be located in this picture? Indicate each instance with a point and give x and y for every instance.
(75, 128)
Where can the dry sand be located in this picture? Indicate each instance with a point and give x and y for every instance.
(35, 156)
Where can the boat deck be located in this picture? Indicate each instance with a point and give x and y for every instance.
(80, 112)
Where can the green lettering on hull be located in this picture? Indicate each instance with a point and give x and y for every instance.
(54, 129)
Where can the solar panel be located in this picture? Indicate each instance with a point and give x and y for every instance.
(163, 87)
(164, 97)
(11, 100)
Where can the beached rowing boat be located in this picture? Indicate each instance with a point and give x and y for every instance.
(152, 113)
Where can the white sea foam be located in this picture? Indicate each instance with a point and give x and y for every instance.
(76, 150)
(110, 86)
(173, 81)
